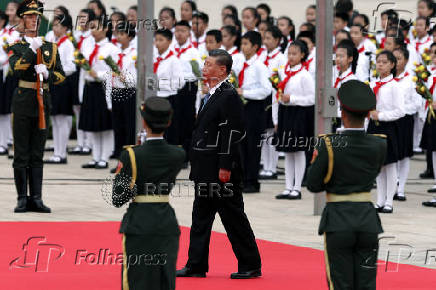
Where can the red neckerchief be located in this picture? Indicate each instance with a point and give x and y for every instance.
(378, 85)
(259, 52)
(62, 40)
(418, 44)
(114, 41)
(235, 52)
(79, 44)
(266, 62)
(399, 79)
(182, 51)
(241, 74)
(306, 63)
(432, 86)
(289, 75)
(362, 49)
(93, 54)
(338, 79)
(382, 44)
(159, 59)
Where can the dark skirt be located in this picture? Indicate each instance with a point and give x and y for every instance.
(74, 84)
(94, 114)
(295, 128)
(6, 92)
(62, 98)
(268, 108)
(390, 129)
(124, 118)
(405, 137)
(428, 139)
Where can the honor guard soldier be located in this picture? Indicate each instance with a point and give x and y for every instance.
(35, 63)
(149, 227)
(345, 165)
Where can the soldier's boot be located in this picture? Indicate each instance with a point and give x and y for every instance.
(35, 186)
(20, 177)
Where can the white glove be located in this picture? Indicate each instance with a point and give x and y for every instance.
(42, 69)
(35, 43)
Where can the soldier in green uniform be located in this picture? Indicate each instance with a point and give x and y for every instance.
(345, 165)
(149, 227)
(35, 63)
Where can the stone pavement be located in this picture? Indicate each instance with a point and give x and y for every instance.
(75, 194)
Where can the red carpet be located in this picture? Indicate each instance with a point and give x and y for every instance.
(77, 255)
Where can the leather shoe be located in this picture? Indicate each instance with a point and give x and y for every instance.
(251, 189)
(246, 274)
(432, 190)
(21, 205)
(387, 209)
(187, 272)
(429, 203)
(426, 175)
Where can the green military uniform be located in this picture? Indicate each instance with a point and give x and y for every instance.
(345, 165)
(29, 137)
(149, 227)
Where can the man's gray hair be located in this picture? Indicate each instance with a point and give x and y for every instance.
(222, 58)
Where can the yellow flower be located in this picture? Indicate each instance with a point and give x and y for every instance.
(275, 69)
(76, 61)
(134, 57)
(374, 41)
(83, 61)
(232, 79)
(203, 57)
(422, 89)
(282, 66)
(421, 68)
(69, 33)
(100, 57)
(194, 59)
(276, 81)
(378, 51)
(424, 55)
(76, 53)
(415, 63)
(415, 79)
(374, 73)
(366, 83)
(71, 38)
(424, 75)
(42, 38)
(5, 38)
(428, 58)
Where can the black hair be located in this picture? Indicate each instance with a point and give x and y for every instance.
(346, 32)
(390, 13)
(126, 27)
(216, 34)
(277, 34)
(426, 19)
(398, 39)
(192, 4)
(433, 44)
(201, 15)
(391, 58)
(233, 9)
(267, 23)
(90, 13)
(183, 23)
(237, 25)
(222, 58)
(63, 9)
(266, 7)
(344, 6)
(430, 5)
(355, 117)
(65, 20)
(169, 10)
(404, 51)
(100, 6)
(134, 7)
(303, 48)
(290, 23)
(365, 19)
(165, 33)
(4, 17)
(254, 13)
(233, 32)
(310, 26)
(312, 7)
(342, 15)
(121, 15)
(405, 25)
(351, 51)
(308, 34)
(254, 38)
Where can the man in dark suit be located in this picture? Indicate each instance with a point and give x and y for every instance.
(217, 174)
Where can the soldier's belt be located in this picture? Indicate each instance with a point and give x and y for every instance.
(151, 198)
(30, 85)
(353, 197)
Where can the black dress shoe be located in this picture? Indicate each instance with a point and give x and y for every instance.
(246, 274)
(113, 170)
(378, 208)
(295, 196)
(426, 175)
(21, 205)
(395, 196)
(401, 198)
(56, 160)
(431, 190)
(251, 189)
(89, 165)
(268, 176)
(429, 203)
(387, 209)
(4, 151)
(36, 205)
(101, 165)
(187, 272)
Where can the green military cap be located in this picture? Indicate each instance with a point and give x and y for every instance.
(156, 112)
(356, 96)
(28, 7)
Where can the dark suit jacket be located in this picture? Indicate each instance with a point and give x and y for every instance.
(218, 132)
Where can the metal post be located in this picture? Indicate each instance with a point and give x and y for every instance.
(147, 83)
(325, 95)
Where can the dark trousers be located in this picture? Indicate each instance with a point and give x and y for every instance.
(123, 116)
(351, 260)
(29, 141)
(254, 117)
(186, 99)
(429, 160)
(230, 207)
(149, 262)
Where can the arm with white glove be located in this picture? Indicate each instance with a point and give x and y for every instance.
(42, 69)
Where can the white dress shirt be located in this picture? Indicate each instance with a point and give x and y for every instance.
(66, 54)
(342, 78)
(169, 74)
(390, 101)
(312, 66)
(300, 88)
(277, 60)
(256, 85)
(421, 44)
(185, 59)
(128, 70)
(412, 100)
